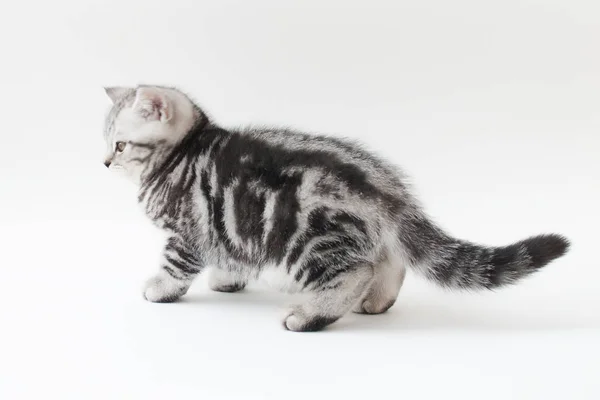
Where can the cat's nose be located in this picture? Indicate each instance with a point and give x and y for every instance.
(107, 164)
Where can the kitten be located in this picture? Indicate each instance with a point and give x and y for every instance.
(328, 218)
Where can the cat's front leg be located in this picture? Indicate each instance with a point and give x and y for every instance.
(179, 266)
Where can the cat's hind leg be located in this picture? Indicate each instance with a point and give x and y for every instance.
(330, 299)
(383, 289)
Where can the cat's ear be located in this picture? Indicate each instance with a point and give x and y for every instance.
(153, 104)
(116, 92)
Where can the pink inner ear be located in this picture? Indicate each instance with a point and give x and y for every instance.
(152, 104)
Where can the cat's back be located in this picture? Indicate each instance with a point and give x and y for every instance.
(286, 148)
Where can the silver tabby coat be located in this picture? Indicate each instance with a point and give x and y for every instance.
(320, 214)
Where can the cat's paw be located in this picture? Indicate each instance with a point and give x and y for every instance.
(298, 321)
(160, 289)
(224, 281)
(373, 306)
(227, 288)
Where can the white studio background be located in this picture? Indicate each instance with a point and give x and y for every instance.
(492, 107)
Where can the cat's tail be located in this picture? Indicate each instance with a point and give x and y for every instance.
(456, 263)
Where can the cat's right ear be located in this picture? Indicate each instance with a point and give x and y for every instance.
(116, 92)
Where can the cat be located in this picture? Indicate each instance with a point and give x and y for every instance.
(320, 214)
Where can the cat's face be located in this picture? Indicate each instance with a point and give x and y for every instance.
(143, 123)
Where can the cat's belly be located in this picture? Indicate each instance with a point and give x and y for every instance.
(278, 278)
(275, 276)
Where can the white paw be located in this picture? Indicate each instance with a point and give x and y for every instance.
(160, 289)
(373, 306)
(293, 323)
(297, 321)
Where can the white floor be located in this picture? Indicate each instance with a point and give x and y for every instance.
(74, 326)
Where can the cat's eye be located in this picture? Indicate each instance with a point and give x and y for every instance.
(120, 146)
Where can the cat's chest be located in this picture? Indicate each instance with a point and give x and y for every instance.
(160, 219)
(163, 211)
(184, 216)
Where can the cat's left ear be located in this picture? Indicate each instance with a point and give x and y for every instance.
(116, 92)
(153, 104)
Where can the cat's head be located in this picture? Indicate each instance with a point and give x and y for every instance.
(143, 123)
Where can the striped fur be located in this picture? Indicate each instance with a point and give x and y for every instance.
(317, 214)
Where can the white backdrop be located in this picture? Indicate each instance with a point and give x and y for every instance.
(493, 109)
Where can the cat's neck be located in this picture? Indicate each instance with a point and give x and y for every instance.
(166, 157)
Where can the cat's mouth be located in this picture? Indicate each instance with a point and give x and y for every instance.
(124, 173)
(117, 168)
